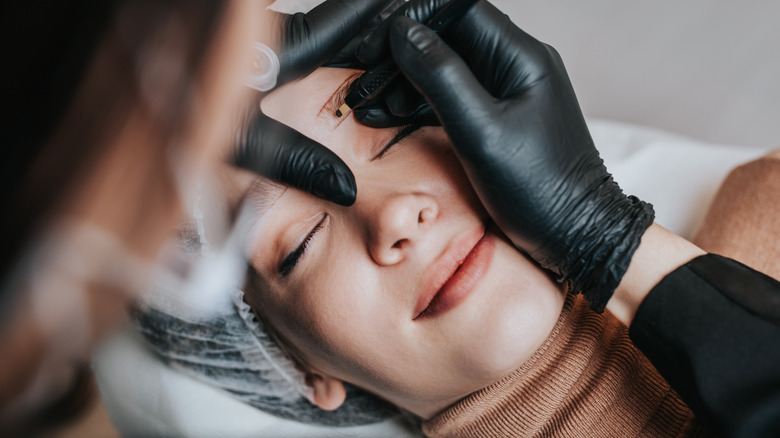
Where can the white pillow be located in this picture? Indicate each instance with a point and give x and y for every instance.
(678, 175)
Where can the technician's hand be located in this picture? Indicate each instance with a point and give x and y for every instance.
(400, 103)
(330, 33)
(507, 104)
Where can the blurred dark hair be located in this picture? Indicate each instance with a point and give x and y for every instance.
(70, 78)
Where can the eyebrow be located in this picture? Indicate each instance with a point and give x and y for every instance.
(328, 109)
(256, 201)
(260, 197)
(263, 194)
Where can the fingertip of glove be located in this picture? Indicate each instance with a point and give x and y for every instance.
(410, 34)
(344, 195)
(345, 199)
(336, 186)
(376, 118)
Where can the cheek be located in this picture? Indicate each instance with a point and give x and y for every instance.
(333, 318)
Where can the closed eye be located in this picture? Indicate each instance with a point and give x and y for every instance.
(292, 259)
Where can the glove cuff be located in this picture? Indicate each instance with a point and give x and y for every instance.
(599, 252)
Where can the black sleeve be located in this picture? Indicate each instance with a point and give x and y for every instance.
(712, 329)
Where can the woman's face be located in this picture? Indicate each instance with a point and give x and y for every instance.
(410, 293)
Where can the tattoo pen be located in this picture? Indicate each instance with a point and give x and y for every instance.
(371, 83)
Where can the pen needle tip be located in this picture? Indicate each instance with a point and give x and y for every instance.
(343, 109)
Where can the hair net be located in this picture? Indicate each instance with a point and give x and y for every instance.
(232, 351)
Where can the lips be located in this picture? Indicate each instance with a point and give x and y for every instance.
(455, 274)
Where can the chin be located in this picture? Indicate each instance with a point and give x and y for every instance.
(513, 319)
(505, 347)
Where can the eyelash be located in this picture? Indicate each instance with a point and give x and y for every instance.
(403, 132)
(294, 257)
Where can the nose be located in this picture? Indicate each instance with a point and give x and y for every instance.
(399, 222)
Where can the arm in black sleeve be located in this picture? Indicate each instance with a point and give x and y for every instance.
(712, 329)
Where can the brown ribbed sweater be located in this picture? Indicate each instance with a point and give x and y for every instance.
(587, 380)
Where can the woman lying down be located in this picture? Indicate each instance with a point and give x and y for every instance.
(413, 297)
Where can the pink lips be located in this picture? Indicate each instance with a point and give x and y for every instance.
(456, 273)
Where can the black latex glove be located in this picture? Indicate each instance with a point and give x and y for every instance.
(400, 103)
(328, 34)
(507, 104)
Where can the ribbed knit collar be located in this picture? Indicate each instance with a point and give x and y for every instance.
(587, 379)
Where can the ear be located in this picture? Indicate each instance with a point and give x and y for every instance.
(328, 392)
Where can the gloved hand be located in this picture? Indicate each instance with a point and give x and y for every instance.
(507, 104)
(330, 33)
(400, 103)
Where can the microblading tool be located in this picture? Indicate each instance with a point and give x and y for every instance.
(371, 83)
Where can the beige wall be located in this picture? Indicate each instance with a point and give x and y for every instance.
(709, 69)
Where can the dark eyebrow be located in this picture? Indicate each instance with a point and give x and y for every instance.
(328, 109)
